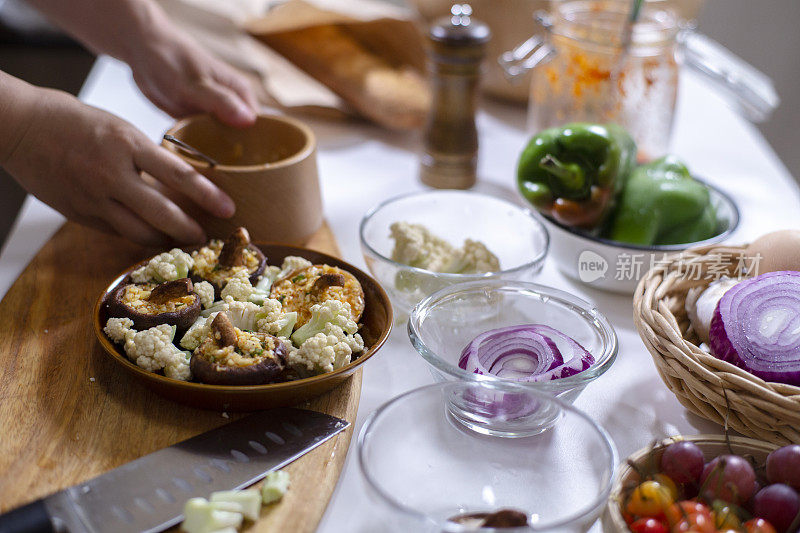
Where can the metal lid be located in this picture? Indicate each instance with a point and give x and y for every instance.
(460, 29)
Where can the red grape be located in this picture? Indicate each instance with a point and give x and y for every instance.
(778, 504)
(729, 478)
(783, 466)
(683, 462)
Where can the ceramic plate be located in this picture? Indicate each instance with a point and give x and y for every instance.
(376, 325)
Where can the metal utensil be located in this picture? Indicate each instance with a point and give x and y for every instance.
(148, 494)
(627, 37)
(191, 150)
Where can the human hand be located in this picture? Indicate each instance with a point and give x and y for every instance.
(171, 69)
(86, 163)
(181, 78)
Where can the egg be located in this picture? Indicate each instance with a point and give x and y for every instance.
(779, 250)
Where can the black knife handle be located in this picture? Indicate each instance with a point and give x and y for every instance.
(31, 518)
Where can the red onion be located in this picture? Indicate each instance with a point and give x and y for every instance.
(756, 326)
(530, 352)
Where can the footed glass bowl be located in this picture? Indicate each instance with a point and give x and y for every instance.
(423, 466)
(514, 234)
(444, 323)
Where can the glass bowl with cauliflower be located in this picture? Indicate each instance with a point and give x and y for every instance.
(418, 243)
(233, 325)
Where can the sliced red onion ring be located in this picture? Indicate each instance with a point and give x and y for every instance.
(756, 326)
(529, 352)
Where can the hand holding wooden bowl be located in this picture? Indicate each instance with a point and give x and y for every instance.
(268, 169)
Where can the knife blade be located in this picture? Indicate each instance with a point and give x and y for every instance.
(148, 494)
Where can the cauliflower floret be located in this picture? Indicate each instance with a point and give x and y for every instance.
(273, 320)
(152, 349)
(334, 312)
(268, 277)
(119, 329)
(473, 258)
(273, 273)
(416, 246)
(179, 367)
(167, 266)
(243, 315)
(292, 263)
(197, 332)
(205, 291)
(238, 287)
(326, 351)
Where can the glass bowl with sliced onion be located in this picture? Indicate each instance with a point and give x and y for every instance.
(528, 333)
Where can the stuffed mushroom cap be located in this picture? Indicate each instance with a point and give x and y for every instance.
(218, 261)
(151, 304)
(230, 356)
(305, 287)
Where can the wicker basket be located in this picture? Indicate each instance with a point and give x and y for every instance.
(707, 386)
(645, 459)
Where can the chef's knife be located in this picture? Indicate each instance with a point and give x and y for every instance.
(148, 494)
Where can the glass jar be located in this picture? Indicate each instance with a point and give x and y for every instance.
(592, 65)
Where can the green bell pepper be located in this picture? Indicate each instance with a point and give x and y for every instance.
(662, 204)
(575, 172)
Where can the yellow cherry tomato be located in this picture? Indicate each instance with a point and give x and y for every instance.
(650, 498)
(667, 483)
(725, 517)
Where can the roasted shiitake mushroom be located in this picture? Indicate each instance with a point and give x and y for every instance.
(304, 287)
(150, 304)
(218, 261)
(230, 356)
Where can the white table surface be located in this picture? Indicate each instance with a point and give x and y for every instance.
(361, 165)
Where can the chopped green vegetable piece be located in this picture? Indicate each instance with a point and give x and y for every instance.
(287, 322)
(248, 499)
(201, 516)
(275, 486)
(298, 277)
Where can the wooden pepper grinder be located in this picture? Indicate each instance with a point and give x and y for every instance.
(457, 48)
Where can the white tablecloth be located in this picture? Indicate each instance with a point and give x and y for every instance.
(362, 165)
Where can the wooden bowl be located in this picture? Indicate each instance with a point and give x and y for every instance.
(268, 169)
(376, 325)
(712, 445)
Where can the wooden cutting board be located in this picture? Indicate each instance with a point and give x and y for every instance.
(67, 412)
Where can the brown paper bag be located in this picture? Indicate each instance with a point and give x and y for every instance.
(376, 66)
(220, 27)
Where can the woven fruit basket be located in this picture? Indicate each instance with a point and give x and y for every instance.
(646, 459)
(707, 386)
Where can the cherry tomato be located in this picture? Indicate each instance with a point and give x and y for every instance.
(650, 498)
(690, 516)
(758, 525)
(629, 518)
(667, 483)
(649, 525)
(694, 523)
(725, 516)
(682, 509)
